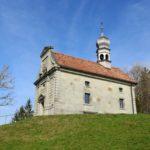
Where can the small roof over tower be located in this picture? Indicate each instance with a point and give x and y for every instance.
(102, 41)
(103, 50)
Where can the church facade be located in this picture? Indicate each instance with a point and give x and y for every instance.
(70, 85)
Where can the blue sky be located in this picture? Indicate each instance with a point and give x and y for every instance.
(72, 27)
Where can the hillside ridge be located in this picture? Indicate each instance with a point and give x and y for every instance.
(71, 132)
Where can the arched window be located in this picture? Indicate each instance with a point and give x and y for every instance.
(107, 57)
(41, 99)
(101, 57)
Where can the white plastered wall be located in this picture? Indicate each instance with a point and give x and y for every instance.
(104, 95)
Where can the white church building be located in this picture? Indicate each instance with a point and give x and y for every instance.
(70, 85)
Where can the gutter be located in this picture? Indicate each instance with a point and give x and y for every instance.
(132, 99)
(94, 74)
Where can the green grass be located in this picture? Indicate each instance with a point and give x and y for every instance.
(79, 132)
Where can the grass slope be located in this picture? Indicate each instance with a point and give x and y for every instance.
(71, 132)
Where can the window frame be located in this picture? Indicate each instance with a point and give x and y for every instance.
(121, 103)
(87, 98)
(87, 84)
(120, 89)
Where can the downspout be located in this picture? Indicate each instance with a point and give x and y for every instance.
(132, 99)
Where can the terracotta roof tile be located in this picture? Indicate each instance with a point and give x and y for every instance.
(90, 67)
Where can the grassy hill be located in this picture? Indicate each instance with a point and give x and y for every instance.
(71, 132)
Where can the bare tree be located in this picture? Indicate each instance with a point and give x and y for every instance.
(142, 76)
(6, 86)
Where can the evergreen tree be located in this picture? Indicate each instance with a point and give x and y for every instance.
(28, 108)
(16, 117)
(24, 112)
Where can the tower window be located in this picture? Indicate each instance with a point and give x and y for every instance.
(121, 103)
(87, 98)
(87, 83)
(106, 56)
(101, 57)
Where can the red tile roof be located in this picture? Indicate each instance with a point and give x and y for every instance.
(90, 67)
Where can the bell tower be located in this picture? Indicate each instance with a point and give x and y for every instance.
(103, 50)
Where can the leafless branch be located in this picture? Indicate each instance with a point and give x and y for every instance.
(6, 86)
(142, 90)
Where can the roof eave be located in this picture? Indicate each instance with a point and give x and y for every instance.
(127, 81)
(45, 75)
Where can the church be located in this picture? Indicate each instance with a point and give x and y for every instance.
(70, 85)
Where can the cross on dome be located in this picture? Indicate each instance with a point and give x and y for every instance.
(103, 50)
(101, 29)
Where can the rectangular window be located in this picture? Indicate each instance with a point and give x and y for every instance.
(87, 83)
(120, 89)
(87, 98)
(121, 103)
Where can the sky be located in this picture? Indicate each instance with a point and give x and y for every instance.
(71, 27)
